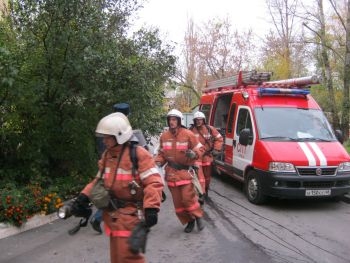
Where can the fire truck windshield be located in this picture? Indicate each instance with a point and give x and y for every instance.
(281, 124)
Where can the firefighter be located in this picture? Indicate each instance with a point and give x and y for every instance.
(136, 196)
(179, 149)
(96, 219)
(212, 141)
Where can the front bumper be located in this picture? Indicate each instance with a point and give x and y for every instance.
(295, 186)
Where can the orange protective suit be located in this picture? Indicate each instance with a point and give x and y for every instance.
(118, 224)
(212, 140)
(172, 150)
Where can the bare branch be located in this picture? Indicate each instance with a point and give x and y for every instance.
(338, 15)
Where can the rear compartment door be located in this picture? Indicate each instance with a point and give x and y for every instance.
(229, 135)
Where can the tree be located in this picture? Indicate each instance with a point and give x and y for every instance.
(345, 120)
(211, 51)
(328, 34)
(190, 74)
(223, 50)
(147, 71)
(284, 50)
(74, 61)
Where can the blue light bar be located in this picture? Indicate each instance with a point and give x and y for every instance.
(282, 91)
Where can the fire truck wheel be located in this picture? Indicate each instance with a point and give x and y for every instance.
(253, 189)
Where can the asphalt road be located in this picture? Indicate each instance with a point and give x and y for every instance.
(236, 231)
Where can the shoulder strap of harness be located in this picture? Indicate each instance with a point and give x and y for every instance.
(134, 161)
(133, 158)
(209, 130)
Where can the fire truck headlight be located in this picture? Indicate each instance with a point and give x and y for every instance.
(344, 167)
(281, 167)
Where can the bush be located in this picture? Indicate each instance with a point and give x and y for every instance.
(42, 196)
(18, 204)
(347, 146)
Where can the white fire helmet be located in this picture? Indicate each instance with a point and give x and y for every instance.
(176, 113)
(199, 115)
(116, 124)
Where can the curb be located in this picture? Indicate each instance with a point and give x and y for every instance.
(36, 221)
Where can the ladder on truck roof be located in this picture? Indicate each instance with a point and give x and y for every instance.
(235, 81)
(261, 79)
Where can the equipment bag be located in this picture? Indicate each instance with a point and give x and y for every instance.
(99, 194)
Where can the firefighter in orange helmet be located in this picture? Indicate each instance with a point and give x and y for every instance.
(179, 149)
(212, 141)
(137, 195)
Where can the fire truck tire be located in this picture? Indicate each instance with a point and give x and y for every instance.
(253, 188)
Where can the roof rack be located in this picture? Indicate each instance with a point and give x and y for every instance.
(261, 79)
(235, 81)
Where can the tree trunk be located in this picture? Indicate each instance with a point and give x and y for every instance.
(346, 98)
(327, 68)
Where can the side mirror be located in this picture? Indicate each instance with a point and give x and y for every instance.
(339, 136)
(245, 137)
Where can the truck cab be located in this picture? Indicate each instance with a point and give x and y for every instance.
(277, 140)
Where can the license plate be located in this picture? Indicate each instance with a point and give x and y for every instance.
(318, 192)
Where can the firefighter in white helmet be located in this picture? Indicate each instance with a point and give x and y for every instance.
(135, 195)
(179, 149)
(212, 141)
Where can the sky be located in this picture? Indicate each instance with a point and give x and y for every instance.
(171, 16)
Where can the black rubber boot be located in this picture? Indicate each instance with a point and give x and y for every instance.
(189, 227)
(96, 225)
(206, 195)
(200, 224)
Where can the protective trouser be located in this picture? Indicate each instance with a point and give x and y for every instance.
(186, 204)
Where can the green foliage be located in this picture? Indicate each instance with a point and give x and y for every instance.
(20, 203)
(347, 146)
(321, 95)
(63, 64)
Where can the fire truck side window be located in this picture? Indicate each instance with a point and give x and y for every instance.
(243, 121)
(222, 107)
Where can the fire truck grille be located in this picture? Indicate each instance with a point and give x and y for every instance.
(305, 171)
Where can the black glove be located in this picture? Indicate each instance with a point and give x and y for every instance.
(138, 239)
(81, 206)
(151, 216)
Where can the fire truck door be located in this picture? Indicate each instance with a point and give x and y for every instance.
(243, 155)
(228, 137)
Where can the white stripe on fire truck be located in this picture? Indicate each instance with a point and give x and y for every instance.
(319, 153)
(308, 153)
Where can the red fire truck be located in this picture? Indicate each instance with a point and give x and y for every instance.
(277, 140)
